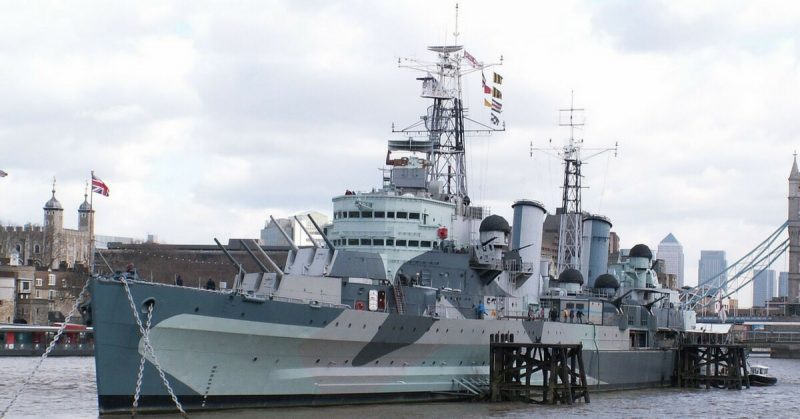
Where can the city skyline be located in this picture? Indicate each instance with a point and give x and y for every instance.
(670, 251)
(203, 120)
(710, 265)
(763, 287)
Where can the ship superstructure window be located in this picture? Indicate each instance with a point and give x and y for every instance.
(365, 242)
(379, 214)
(425, 243)
(400, 243)
(413, 216)
(366, 214)
(402, 215)
(352, 242)
(390, 242)
(336, 215)
(353, 214)
(390, 214)
(377, 242)
(413, 243)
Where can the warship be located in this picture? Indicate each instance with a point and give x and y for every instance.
(400, 298)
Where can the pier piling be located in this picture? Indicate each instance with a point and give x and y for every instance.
(536, 372)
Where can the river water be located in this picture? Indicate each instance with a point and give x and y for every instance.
(65, 388)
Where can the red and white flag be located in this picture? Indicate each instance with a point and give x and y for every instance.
(98, 186)
(472, 60)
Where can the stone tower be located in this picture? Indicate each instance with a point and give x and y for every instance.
(85, 215)
(53, 230)
(794, 232)
(53, 213)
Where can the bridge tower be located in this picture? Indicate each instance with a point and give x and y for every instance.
(794, 232)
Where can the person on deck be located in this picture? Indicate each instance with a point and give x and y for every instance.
(179, 281)
(210, 285)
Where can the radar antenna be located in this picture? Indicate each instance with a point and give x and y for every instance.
(570, 232)
(441, 132)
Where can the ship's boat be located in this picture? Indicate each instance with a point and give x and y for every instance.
(759, 376)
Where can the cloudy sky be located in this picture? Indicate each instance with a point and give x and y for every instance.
(206, 117)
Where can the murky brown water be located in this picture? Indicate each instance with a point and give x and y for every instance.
(65, 388)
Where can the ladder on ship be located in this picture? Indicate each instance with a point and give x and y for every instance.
(399, 300)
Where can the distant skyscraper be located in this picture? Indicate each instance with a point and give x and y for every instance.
(711, 263)
(763, 287)
(671, 251)
(783, 284)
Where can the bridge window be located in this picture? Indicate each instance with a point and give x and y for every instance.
(366, 214)
(402, 215)
(390, 214)
(353, 214)
(379, 214)
(425, 243)
(390, 242)
(401, 243)
(366, 242)
(413, 216)
(413, 243)
(352, 242)
(377, 242)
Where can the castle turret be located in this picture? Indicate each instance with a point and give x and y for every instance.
(85, 215)
(53, 212)
(794, 232)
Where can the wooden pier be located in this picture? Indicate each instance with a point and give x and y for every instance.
(710, 362)
(559, 371)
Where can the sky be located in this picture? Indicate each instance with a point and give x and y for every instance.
(204, 118)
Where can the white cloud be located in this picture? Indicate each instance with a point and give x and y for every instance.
(204, 118)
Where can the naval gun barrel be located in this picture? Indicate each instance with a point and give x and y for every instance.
(324, 237)
(313, 242)
(271, 262)
(230, 257)
(285, 236)
(252, 255)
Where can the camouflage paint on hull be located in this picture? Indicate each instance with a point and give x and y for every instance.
(223, 351)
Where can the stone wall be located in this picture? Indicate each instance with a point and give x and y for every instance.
(163, 263)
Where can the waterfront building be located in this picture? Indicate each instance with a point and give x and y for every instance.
(711, 263)
(783, 284)
(51, 245)
(294, 226)
(671, 251)
(763, 286)
(6, 298)
(613, 243)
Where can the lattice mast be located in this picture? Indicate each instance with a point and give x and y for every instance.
(571, 227)
(444, 120)
(570, 234)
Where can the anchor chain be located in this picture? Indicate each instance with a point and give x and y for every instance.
(141, 363)
(49, 349)
(148, 349)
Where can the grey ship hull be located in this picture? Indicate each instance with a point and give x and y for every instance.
(224, 351)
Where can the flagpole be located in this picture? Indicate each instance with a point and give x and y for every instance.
(91, 224)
